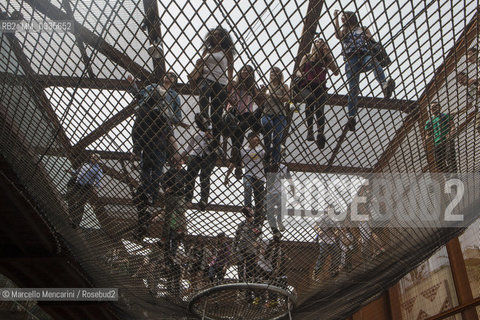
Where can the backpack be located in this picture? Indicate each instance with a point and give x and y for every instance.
(152, 116)
(153, 96)
(379, 53)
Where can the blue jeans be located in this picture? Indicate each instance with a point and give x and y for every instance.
(151, 171)
(353, 67)
(274, 126)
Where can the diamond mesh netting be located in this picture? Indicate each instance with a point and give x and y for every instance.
(206, 157)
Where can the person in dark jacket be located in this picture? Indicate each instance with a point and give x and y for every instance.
(220, 257)
(153, 140)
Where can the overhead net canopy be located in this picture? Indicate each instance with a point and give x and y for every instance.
(381, 169)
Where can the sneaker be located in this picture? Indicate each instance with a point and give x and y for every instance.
(310, 136)
(275, 232)
(267, 159)
(388, 87)
(247, 211)
(280, 225)
(351, 123)
(238, 173)
(256, 301)
(202, 205)
(321, 141)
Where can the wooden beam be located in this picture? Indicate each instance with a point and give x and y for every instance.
(308, 33)
(394, 302)
(337, 147)
(193, 206)
(463, 126)
(86, 60)
(293, 166)
(469, 34)
(112, 84)
(128, 111)
(127, 179)
(317, 168)
(132, 186)
(309, 29)
(116, 201)
(91, 39)
(432, 89)
(69, 82)
(37, 93)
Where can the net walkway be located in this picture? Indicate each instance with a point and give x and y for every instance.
(244, 159)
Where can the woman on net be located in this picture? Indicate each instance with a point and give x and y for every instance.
(313, 73)
(241, 108)
(275, 109)
(216, 79)
(354, 39)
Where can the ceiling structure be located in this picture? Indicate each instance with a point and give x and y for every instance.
(64, 97)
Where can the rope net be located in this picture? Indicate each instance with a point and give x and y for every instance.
(179, 146)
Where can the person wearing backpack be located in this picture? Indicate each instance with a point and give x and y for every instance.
(153, 141)
(355, 46)
(313, 73)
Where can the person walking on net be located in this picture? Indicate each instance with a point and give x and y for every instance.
(358, 58)
(313, 88)
(86, 183)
